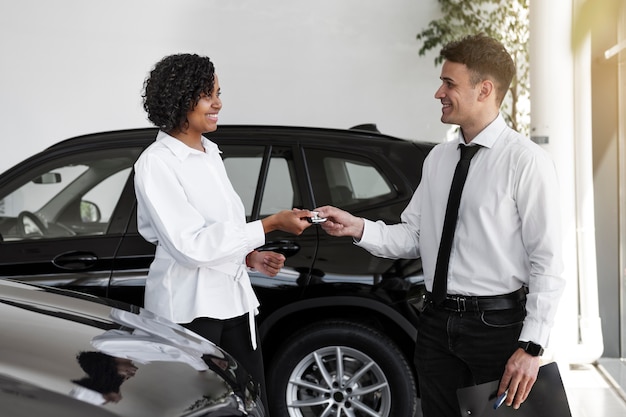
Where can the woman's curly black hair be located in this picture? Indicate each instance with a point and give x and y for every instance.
(173, 88)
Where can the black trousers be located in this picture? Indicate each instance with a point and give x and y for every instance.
(233, 335)
(460, 349)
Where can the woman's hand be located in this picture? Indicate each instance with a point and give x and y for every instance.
(266, 262)
(291, 221)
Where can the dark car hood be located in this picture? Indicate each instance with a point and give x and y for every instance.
(168, 370)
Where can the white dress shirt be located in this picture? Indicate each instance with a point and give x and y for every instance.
(508, 232)
(187, 206)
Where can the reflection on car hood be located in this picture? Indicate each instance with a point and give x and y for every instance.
(21, 398)
(58, 350)
(154, 339)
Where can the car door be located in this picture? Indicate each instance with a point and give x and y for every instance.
(60, 221)
(268, 177)
(365, 184)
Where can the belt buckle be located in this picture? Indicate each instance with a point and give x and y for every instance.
(460, 304)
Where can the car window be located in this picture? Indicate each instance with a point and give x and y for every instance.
(347, 180)
(244, 166)
(71, 195)
(358, 180)
(243, 173)
(279, 194)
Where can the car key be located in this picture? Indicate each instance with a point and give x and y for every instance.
(315, 219)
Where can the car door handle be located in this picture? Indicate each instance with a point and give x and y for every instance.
(285, 247)
(75, 260)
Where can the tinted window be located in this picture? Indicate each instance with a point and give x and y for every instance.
(347, 180)
(245, 169)
(243, 173)
(72, 195)
(279, 189)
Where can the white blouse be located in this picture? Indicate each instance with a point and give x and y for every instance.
(187, 206)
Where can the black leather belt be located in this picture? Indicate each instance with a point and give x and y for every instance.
(460, 303)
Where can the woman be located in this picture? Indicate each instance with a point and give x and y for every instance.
(187, 206)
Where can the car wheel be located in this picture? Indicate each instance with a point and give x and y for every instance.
(341, 369)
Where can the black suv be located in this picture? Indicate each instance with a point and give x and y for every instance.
(337, 324)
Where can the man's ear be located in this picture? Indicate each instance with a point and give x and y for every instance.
(487, 90)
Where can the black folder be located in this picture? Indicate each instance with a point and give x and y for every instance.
(546, 399)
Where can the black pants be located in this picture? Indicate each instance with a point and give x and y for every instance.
(459, 349)
(233, 335)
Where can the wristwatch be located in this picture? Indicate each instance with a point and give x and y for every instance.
(531, 348)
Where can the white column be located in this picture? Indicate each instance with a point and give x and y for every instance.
(561, 121)
(621, 51)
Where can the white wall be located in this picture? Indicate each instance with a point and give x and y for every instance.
(71, 67)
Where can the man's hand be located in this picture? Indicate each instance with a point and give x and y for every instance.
(266, 262)
(340, 222)
(520, 374)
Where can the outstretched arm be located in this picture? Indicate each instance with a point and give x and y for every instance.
(340, 222)
(394, 241)
(291, 221)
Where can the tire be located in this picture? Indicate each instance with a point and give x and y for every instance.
(304, 379)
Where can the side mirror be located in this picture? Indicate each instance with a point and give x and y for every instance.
(89, 212)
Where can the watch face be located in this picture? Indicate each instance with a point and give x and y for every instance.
(531, 348)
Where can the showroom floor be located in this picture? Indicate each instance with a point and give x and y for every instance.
(595, 390)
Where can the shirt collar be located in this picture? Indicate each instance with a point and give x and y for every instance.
(182, 151)
(489, 135)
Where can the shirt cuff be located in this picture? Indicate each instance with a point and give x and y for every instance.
(535, 332)
(371, 238)
(255, 235)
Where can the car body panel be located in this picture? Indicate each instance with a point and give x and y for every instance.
(44, 331)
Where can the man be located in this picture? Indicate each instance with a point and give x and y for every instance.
(504, 271)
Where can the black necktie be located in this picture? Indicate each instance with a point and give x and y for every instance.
(440, 283)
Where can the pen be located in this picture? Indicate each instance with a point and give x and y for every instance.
(500, 400)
